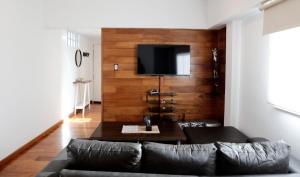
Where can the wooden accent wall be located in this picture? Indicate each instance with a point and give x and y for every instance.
(124, 90)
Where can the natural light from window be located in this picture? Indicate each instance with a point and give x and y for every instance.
(284, 71)
(73, 39)
(183, 63)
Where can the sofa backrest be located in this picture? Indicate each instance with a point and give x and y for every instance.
(103, 155)
(253, 158)
(161, 155)
(191, 159)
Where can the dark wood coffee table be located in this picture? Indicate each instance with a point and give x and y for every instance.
(111, 131)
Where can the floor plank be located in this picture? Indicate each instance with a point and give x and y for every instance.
(35, 159)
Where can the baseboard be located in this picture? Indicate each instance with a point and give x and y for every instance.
(21, 150)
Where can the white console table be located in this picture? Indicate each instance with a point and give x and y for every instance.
(86, 100)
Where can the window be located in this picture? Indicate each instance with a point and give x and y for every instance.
(284, 71)
(73, 39)
(183, 63)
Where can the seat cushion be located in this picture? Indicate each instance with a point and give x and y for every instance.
(204, 135)
(102, 155)
(256, 139)
(80, 173)
(192, 159)
(253, 158)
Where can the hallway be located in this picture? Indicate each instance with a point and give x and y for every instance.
(35, 159)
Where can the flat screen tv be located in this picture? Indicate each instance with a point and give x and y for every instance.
(163, 59)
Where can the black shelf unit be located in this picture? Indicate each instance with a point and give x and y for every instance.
(161, 108)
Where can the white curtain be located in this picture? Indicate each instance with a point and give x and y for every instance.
(281, 15)
(284, 70)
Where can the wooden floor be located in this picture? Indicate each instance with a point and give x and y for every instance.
(34, 159)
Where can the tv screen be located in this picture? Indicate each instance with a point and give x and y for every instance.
(163, 59)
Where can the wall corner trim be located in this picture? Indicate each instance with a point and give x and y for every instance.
(232, 85)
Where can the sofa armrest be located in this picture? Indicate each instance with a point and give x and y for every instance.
(55, 166)
(294, 165)
(256, 139)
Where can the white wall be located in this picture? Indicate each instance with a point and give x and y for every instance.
(30, 74)
(37, 71)
(232, 77)
(220, 12)
(95, 14)
(247, 64)
(86, 68)
(97, 93)
(256, 116)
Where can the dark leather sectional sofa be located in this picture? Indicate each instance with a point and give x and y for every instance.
(259, 157)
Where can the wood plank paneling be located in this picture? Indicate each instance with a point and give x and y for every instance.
(222, 57)
(124, 90)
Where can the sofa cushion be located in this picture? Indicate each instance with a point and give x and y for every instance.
(81, 173)
(194, 159)
(102, 155)
(204, 135)
(253, 158)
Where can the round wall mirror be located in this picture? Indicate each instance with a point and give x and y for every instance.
(78, 57)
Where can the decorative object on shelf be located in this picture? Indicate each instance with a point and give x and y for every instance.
(153, 92)
(171, 101)
(216, 70)
(79, 79)
(161, 108)
(78, 58)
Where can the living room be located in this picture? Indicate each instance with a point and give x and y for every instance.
(234, 86)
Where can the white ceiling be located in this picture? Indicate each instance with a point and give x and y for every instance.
(90, 33)
(87, 17)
